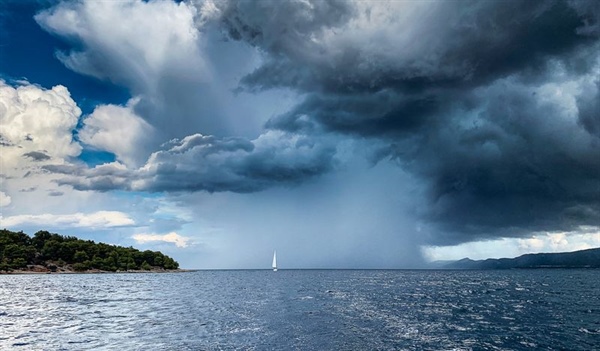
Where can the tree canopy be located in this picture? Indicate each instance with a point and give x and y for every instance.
(18, 250)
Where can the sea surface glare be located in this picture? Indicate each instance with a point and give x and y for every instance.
(303, 310)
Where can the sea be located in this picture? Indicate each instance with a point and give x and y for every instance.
(541, 309)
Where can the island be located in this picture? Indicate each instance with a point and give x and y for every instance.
(589, 258)
(47, 252)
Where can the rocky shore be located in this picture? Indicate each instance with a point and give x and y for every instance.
(68, 269)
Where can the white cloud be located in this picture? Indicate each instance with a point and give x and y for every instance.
(36, 129)
(37, 126)
(560, 242)
(587, 238)
(172, 237)
(152, 48)
(95, 220)
(183, 74)
(4, 199)
(137, 40)
(118, 129)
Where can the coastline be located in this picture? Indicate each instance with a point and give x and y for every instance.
(38, 269)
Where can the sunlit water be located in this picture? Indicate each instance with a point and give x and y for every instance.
(303, 310)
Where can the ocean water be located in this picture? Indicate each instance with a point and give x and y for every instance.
(303, 310)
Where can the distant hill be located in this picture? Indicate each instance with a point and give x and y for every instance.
(48, 252)
(577, 259)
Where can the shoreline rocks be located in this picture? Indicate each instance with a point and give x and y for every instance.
(39, 269)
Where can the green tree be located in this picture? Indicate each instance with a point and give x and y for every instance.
(40, 238)
(80, 256)
(17, 250)
(4, 266)
(50, 250)
(18, 263)
(80, 267)
(159, 260)
(146, 266)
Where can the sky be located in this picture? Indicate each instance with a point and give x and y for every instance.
(343, 134)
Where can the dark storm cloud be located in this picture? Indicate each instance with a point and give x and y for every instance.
(281, 27)
(207, 163)
(386, 112)
(461, 45)
(494, 104)
(589, 12)
(588, 104)
(520, 163)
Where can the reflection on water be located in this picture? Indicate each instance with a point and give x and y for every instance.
(306, 310)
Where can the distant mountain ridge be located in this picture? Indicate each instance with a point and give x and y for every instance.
(589, 258)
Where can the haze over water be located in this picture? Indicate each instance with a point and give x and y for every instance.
(303, 310)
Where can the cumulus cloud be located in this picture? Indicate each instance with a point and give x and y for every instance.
(37, 126)
(559, 242)
(94, 220)
(159, 35)
(119, 130)
(156, 51)
(172, 237)
(36, 129)
(207, 163)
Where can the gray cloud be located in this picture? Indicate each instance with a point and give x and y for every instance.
(207, 163)
(519, 163)
(386, 112)
(104, 177)
(282, 27)
(588, 105)
(4, 141)
(458, 45)
(495, 105)
(234, 164)
(589, 12)
(37, 156)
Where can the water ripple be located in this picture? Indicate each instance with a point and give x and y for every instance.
(302, 310)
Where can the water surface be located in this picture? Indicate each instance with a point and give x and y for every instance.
(303, 310)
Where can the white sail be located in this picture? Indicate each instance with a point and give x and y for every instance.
(275, 261)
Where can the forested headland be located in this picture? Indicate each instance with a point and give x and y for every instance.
(51, 252)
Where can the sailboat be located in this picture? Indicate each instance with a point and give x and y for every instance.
(274, 261)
